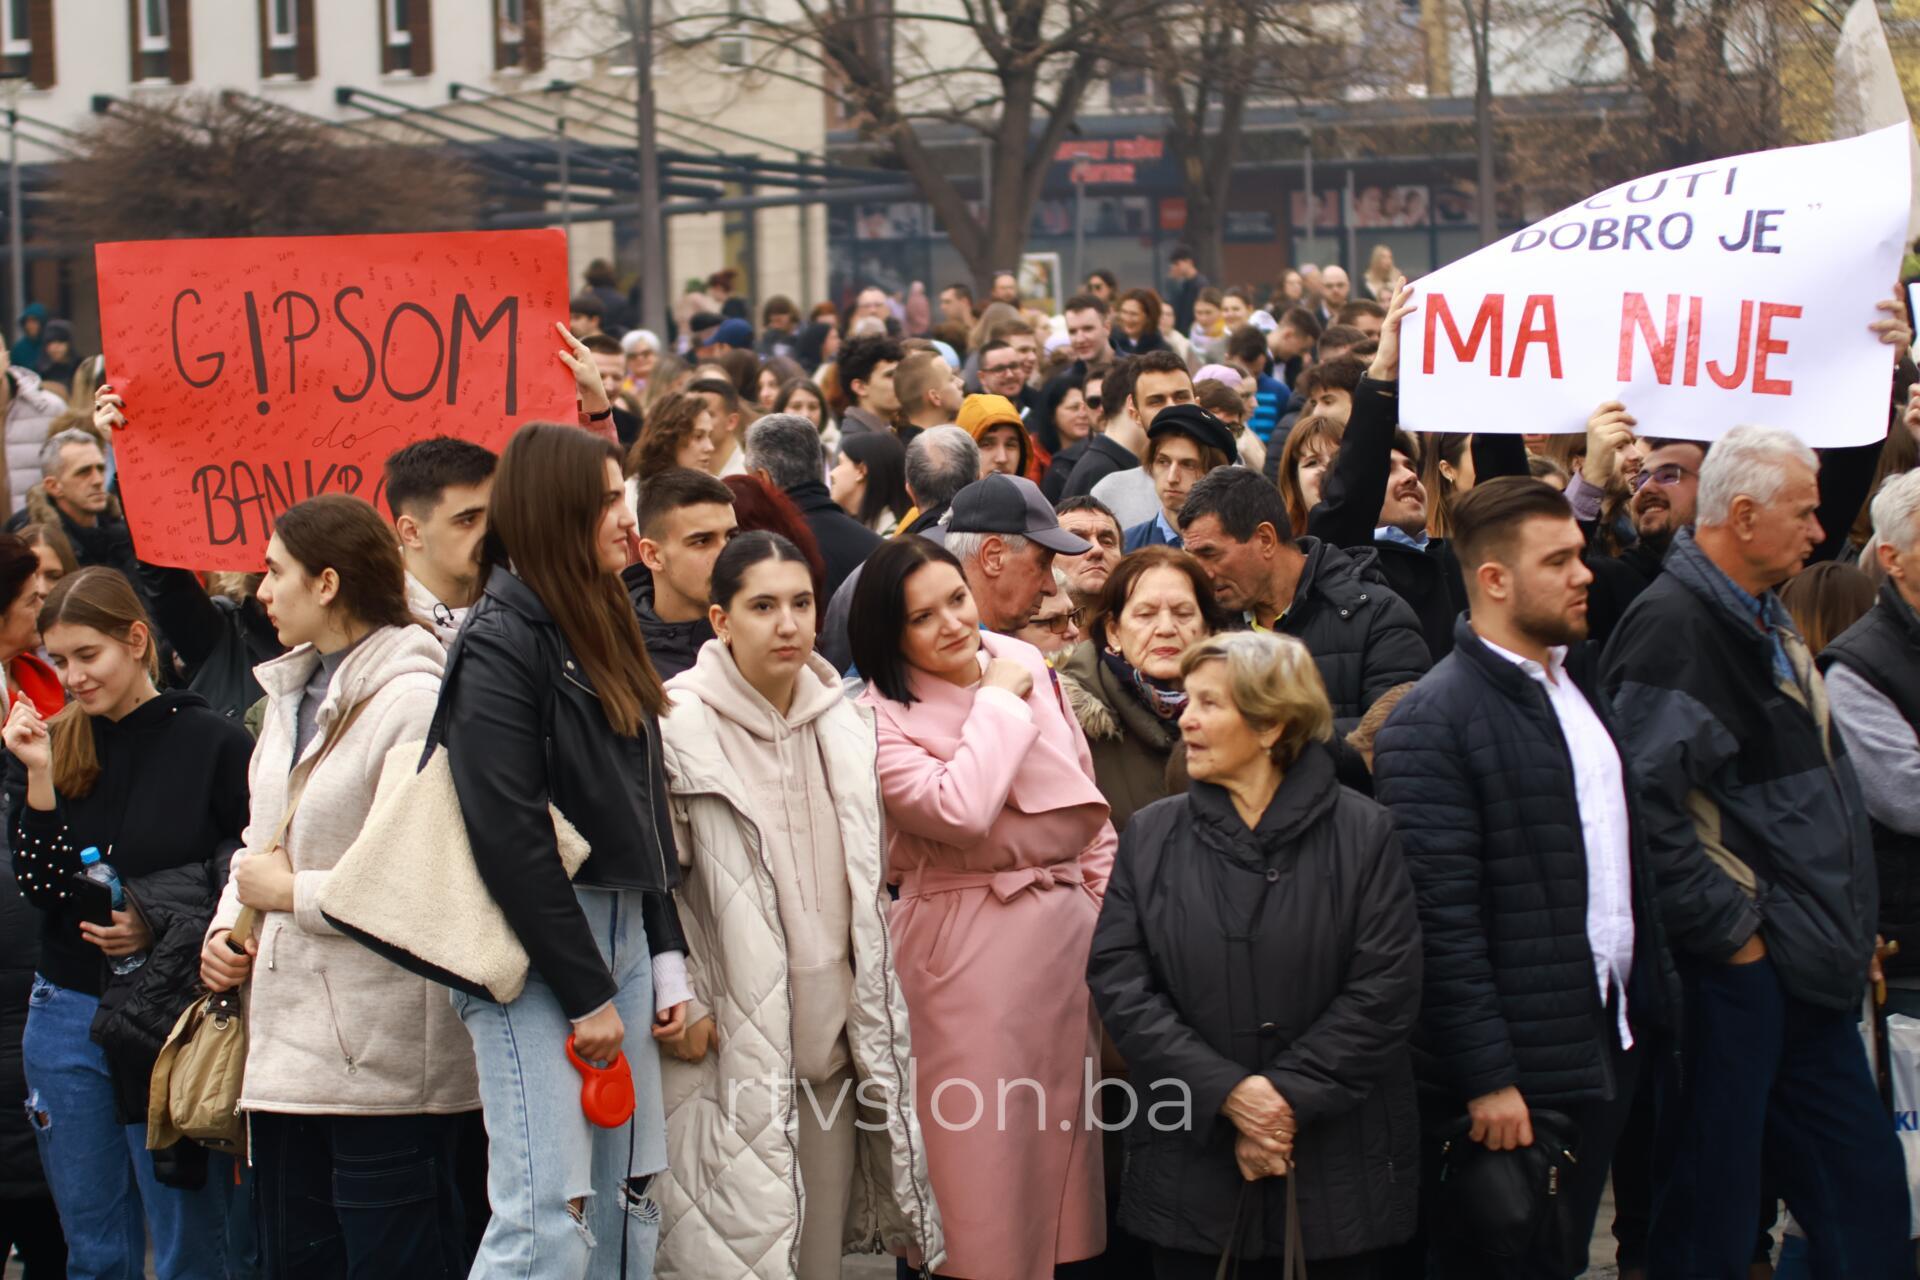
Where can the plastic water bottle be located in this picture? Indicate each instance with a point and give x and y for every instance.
(100, 873)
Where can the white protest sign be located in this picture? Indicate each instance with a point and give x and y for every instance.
(1739, 291)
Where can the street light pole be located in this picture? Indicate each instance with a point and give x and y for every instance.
(16, 249)
(653, 265)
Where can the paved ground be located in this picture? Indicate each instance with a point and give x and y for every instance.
(882, 1268)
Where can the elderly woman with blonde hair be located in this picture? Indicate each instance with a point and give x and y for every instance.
(1258, 959)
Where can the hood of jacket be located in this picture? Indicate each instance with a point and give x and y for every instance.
(718, 681)
(1336, 574)
(34, 311)
(1306, 795)
(680, 640)
(386, 652)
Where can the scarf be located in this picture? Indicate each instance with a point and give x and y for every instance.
(1164, 698)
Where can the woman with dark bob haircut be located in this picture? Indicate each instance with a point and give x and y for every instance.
(999, 841)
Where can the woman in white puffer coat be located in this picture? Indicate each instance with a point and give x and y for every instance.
(796, 1050)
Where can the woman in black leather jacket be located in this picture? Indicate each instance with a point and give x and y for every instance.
(157, 781)
(550, 700)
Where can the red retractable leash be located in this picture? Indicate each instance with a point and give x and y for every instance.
(606, 1098)
(606, 1093)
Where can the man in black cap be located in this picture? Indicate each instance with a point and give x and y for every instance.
(1184, 443)
(1005, 535)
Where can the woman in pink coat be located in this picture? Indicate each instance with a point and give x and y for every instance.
(1000, 845)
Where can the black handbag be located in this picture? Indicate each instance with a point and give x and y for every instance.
(1295, 1265)
(1506, 1203)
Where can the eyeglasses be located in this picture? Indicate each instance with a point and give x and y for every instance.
(1059, 624)
(1666, 475)
(1093, 402)
(1003, 368)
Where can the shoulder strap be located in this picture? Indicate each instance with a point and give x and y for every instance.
(243, 925)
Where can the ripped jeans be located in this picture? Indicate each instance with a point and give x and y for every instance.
(99, 1170)
(562, 1189)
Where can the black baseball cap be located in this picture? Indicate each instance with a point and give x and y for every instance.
(1196, 423)
(1011, 504)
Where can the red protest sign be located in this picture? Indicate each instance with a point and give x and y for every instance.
(258, 373)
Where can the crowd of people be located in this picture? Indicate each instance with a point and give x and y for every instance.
(1082, 795)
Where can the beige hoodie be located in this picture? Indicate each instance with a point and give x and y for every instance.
(778, 760)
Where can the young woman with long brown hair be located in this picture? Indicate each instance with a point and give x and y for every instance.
(157, 783)
(552, 703)
(357, 1072)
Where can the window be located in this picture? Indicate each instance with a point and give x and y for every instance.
(152, 46)
(397, 35)
(282, 38)
(16, 37)
(406, 37)
(517, 30)
(287, 40)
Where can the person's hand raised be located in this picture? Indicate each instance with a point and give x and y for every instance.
(1386, 358)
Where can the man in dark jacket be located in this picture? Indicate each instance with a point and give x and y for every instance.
(1363, 638)
(686, 518)
(1760, 843)
(784, 450)
(1543, 963)
(1873, 682)
(73, 471)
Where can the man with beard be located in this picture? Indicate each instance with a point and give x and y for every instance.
(1544, 964)
(1664, 490)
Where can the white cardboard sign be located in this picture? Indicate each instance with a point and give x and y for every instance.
(1735, 292)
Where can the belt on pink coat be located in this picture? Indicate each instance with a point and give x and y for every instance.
(1006, 885)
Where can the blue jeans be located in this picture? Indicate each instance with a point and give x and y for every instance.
(1763, 1069)
(98, 1169)
(543, 1153)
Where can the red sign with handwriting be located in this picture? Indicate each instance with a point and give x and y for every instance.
(260, 372)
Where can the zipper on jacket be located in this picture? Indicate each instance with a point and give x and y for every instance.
(333, 1016)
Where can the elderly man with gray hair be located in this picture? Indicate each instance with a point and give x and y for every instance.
(1873, 684)
(941, 461)
(783, 449)
(1763, 857)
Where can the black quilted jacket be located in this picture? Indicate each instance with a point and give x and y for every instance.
(1473, 765)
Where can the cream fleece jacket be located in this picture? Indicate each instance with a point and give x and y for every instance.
(778, 760)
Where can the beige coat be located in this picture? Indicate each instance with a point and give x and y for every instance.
(731, 1201)
(333, 1029)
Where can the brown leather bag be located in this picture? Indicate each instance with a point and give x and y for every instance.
(195, 1091)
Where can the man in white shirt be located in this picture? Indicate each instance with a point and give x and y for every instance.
(1542, 945)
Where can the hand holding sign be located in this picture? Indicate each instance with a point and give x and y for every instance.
(586, 375)
(1386, 357)
(269, 370)
(1706, 297)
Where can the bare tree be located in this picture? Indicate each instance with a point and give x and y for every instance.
(1008, 75)
(219, 165)
(1212, 60)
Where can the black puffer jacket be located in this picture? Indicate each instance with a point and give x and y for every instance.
(524, 729)
(1478, 776)
(1319, 999)
(672, 647)
(1362, 636)
(139, 1009)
